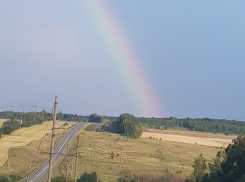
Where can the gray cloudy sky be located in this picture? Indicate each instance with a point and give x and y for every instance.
(193, 53)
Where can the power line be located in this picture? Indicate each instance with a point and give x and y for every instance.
(39, 144)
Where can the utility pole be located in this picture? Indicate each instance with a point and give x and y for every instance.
(52, 142)
(75, 175)
(67, 165)
(98, 172)
(66, 170)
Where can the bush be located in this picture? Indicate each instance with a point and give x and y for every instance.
(88, 177)
(10, 178)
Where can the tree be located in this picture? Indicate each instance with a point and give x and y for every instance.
(60, 116)
(199, 169)
(126, 176)
(229, 165)
(233, 166)
(9, 126)
(88, 177)
(95, 118)
(128, 125)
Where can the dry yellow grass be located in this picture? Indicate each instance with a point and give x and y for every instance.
(24, 136)
(141, 156)
(2, 121)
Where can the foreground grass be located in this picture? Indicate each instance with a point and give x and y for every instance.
(18, 150)
(141, 156)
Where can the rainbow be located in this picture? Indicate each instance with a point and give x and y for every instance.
(130, 67)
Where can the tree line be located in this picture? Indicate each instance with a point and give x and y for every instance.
(192, 124)
(202, 124)
(25, 120)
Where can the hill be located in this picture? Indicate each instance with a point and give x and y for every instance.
(110, 153)
(18, 149)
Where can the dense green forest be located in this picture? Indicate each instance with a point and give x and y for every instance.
(202, 125)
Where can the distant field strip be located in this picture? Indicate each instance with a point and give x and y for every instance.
(207, 139)
(2, 121)
(23, 137)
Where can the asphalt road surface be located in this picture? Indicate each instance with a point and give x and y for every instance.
(42, 171)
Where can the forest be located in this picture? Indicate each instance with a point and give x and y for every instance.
(202, 125)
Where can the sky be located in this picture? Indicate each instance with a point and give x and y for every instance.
(147, 58)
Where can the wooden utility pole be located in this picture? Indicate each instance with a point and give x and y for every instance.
(75, 175)
(66, 170)
(98, 172)
(52, 142)
(67, 164)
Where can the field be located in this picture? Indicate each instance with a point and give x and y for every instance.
(18, 150)
(2, 121)
(108, 154)
(191, 137)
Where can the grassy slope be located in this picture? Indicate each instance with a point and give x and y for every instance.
(140, 156)
(17, 150)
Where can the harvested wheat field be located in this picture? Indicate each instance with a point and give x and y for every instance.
(199, 138)
(24, 136)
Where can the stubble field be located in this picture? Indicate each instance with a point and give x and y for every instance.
(191, 137)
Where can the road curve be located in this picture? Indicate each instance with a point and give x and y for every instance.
(42, 171)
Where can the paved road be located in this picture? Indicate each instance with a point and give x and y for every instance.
(42, 171)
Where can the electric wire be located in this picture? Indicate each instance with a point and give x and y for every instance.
(40, 143)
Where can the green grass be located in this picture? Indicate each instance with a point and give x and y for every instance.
(89, 127)
(141, 156)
